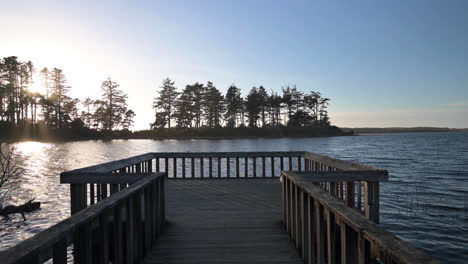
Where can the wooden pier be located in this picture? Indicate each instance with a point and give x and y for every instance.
(224, 207)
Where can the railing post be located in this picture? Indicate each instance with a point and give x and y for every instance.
(331, 249)
(77, 197)
(371, 196)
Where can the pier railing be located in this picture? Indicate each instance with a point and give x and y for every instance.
(120, 229)
(125, 191)
(327, 231)
(85, 188)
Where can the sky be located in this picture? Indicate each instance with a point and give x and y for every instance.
(382, 63)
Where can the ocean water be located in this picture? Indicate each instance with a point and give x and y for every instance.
(425, 202)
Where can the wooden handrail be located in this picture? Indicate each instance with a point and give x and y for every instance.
(53, 242)
(323, 227)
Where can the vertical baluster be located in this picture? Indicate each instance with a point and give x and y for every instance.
(246, 167)
(59, 252)
(272, 167)
(311, 230)
(359, 196)
(91, 194)
(305, 226)
(202, 173)
(319, 232)
(210, 169)
(263, 167)
(183, 167)
(192, 166)
(350, 194)
(331, 249)
(104, 237)
(255, 166)
(166, 166)
(298, 224)
(98, 192)
(130, 228)
(118, 235)
(282, 164)
(371, 200)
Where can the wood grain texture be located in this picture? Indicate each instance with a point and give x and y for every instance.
(224, 221)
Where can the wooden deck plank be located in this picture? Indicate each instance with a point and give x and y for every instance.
(223, 221)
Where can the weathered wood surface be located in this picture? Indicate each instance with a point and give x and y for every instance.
(223, 221)
(341, 176)
(38, 249)
(355, 228)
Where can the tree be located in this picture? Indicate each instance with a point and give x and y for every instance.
(213, 105)
(292, 98)
(274, 103)
(10, 172)
(128, 120)
(263, 100)
(300, 119)
(252, 107)
(166, 100)
(234, 106)
(113, 105)
(59, 95)
(87, 114)
(184, 110)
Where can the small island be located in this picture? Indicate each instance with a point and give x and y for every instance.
(195, 112)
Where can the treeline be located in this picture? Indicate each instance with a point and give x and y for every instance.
(199, 105)
(54, 108)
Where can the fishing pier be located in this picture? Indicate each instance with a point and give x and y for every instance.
(221, 207)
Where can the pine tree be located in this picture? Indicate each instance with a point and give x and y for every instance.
(234, 106)
(213, 105)
(113, 103)
(252, 107)
(165, 102)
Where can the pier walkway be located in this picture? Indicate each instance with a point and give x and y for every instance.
(224, 221)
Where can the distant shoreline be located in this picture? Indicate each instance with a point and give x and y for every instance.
(371, 130)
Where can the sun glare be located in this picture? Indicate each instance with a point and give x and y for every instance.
(37, 87)
(30, 147)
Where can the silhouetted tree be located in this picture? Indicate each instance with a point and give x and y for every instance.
(113, 105)
(213, 105)
(252, 106)
(234, 106)
(165, 102)
(128, 120)
(263, 104)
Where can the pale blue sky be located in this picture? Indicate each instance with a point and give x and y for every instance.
(383, 63)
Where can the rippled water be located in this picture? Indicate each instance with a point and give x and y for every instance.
(425, 202)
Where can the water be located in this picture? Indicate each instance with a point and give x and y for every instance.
(425, 202)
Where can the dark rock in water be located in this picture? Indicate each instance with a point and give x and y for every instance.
(20, 209)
